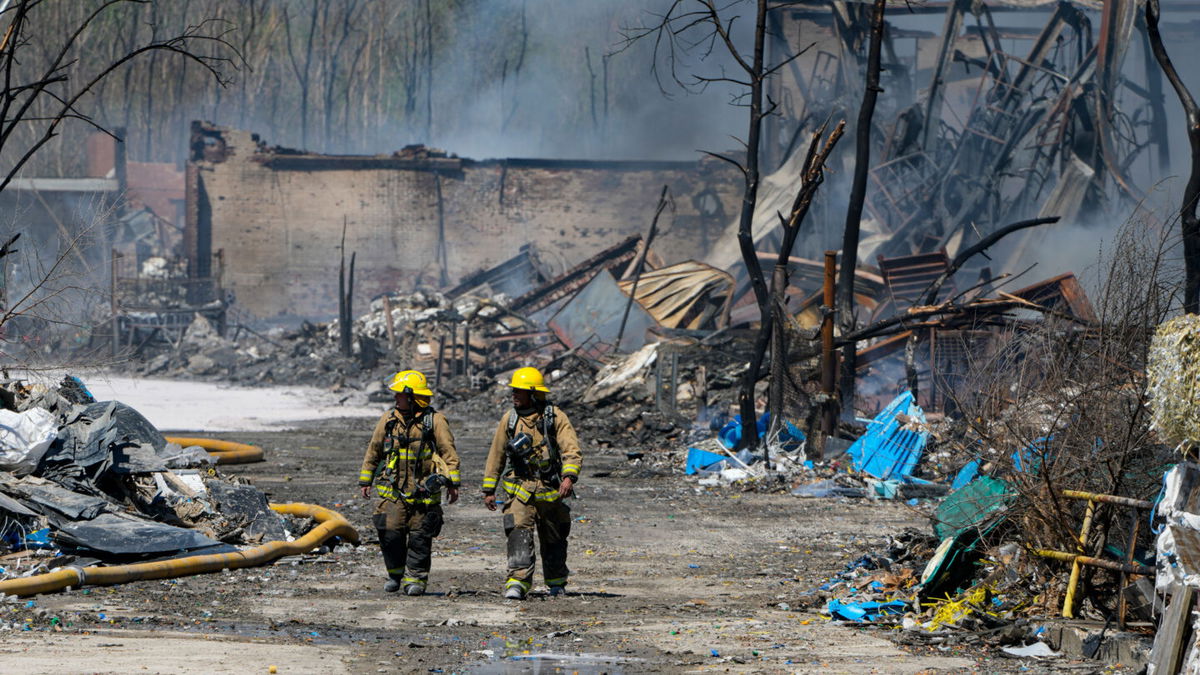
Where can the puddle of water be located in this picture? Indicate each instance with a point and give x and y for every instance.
(547, 662)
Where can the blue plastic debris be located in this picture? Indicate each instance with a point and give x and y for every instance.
(700, 460)
(693, 566)
(714, 652)
(865, 611)
(790, 437)
(79, 383)
(885, 489)
(966, 474)
(1030, 457)
(887, 451)
(38, 539)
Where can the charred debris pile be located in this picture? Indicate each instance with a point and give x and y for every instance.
(86, 483)
(1036, 441)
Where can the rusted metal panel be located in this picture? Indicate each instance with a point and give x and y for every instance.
(1063, 293)
(908, 277)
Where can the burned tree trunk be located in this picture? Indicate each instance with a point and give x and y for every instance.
(858, 193)
(771, 331)
(1189, 219)
(345, 292)
(745, 235)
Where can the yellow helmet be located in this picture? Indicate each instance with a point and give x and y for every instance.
(410, 382)
(528, 378)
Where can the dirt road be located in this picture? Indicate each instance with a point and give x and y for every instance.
(666, 577)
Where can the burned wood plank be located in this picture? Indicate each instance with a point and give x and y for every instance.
(1063, 293)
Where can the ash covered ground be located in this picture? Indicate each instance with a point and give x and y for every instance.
(666, 577)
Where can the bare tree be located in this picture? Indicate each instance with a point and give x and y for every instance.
(49, 70)
(858, 194)
(1189, 219)
(38, 102)
(302, 67)
(691, 26)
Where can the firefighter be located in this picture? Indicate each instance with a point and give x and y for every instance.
(535, 458)
(410, 459)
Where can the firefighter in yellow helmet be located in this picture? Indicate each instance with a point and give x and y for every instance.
(411, 459)
(535, 459)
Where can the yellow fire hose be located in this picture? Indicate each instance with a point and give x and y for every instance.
(330, 524)
(226, 452)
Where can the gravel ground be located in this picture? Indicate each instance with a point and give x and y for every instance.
(666, 577)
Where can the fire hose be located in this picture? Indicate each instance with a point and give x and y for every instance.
(226, 452)
(330, 524)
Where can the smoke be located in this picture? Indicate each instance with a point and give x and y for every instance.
(523, 78)
(569, 87)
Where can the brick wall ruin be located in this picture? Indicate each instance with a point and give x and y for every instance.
(418, 218)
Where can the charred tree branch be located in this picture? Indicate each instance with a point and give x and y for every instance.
(858, 193)
(1189, 219)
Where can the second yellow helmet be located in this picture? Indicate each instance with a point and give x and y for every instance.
(528, 378)
(410, 381)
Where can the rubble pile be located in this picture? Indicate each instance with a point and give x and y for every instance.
(423, 324)
(84, 482)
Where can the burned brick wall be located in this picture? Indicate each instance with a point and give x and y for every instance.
(420, 219)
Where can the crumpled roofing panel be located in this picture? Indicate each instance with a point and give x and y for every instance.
(690, 295)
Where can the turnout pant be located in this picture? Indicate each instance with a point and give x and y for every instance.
(406, 533)
(551, 520)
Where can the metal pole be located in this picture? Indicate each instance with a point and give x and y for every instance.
(467, 349)
(828, 354)
(674, 381)
(391, 330)
(1094, 562)
(116, 322)
(440, 354)
(1108, 499)
(1076, 565)
(663, 200)
(658, 383)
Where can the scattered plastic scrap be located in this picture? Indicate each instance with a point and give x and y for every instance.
(828, 488)
(966, 474)
(865, 611)
(701, 460)
(24, 438)
(894, 441)
(1038, 649)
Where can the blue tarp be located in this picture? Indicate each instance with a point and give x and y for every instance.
(887, 451)
(864, 611)
(790, 437)
(700, 460)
